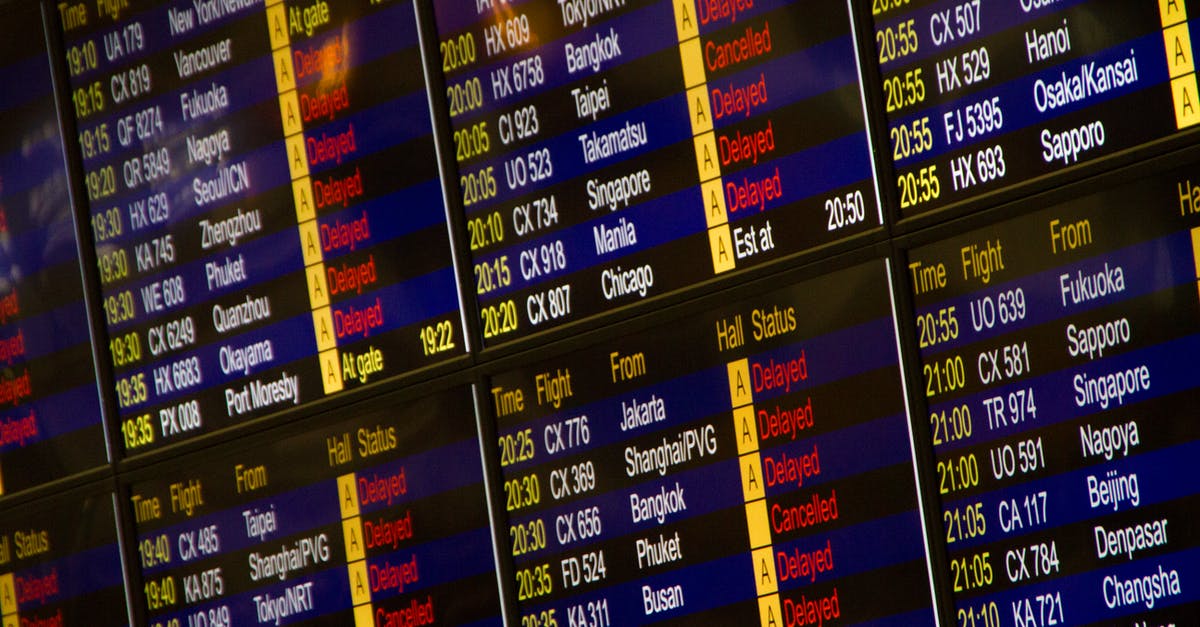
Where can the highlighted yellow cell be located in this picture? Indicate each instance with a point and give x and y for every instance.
(715, 213)
(323, 329)
(708, 165)
(758, 524)
(277, 24)
(1184, 91)
(310, 242)
(686, 25)
(693, 63)
(12, 620)
(764, 571)
(1196, 249)
(363, 616)
(699, 109)
(318, 286)
(8, 594)
(768, 611)
(302, 196)
(297, 158)
(739, 383)
(752, 482)
(347, 495)
(285, 75)
(272, 3)
(360, 585)
(1172, 12)
(1179, 50)
(721, 245)
(331, 371)
(289, 112)
(745, 429)
(352, 534)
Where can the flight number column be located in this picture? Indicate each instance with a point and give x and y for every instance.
(766, 583)
(306, 217)
(716, 217)
(1180, 63)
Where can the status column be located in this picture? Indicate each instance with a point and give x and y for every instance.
(745, 429)
(1178, 43)
(700, 115)
(356, 552)
(306, 215)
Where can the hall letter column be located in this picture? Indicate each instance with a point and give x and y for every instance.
(356, 552)
(1180, 63)
(745, 429)
(700, 116)
(306, 215)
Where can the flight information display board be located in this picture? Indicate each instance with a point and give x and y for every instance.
(1056, 351)
(982, 95)
(51, 422)
(612, 151)
(265, 201)
(748, 464)
(60, 563)
(378, 520)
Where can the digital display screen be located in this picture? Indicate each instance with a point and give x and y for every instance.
(610, 152)
(749, 462)
(51, 423)
(361, 293)
(265, 202)
(1056, 353)
(982, 95)
(60, 563)
(377, 520)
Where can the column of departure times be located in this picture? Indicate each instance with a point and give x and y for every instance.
(982, 95)
(1056, 377)
(621, 468)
